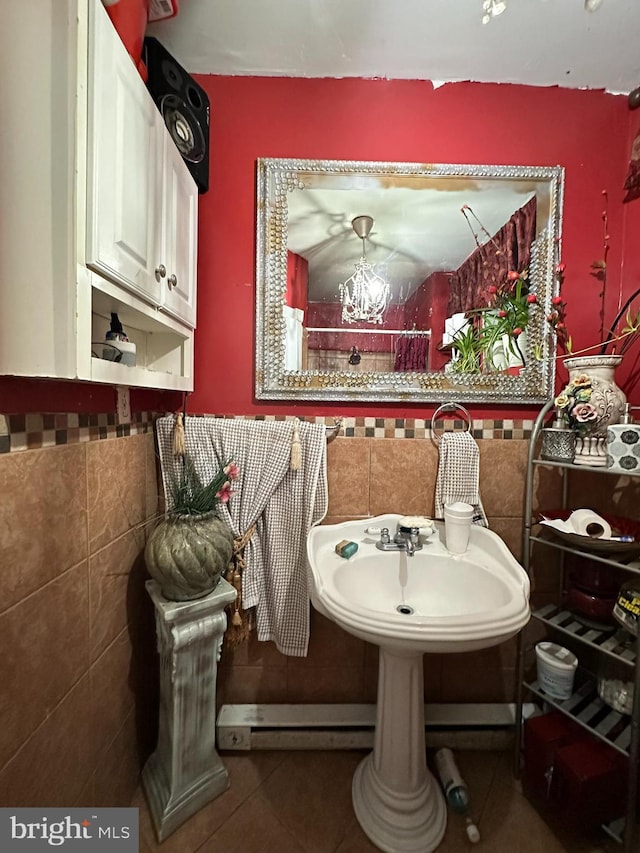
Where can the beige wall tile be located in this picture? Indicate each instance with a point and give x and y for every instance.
(503, 466)
(432, 666)
(153, 482)
(324, 683)
(43, 518)
(330, 646)
(112, 694)
(547, 487)
(117, 575)
(483, 676)
(348, 462)
(252, 652)
(45, 643)
(118, 767)
(248, 684)
(117, 487)
(403, 476)
(510, 531)
(55, 764)
(610, 493)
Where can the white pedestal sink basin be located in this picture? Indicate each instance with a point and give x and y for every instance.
(432, 601)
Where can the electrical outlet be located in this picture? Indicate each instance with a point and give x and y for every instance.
(123, 405)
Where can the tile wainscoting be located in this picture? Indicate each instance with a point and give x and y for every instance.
(78, 629)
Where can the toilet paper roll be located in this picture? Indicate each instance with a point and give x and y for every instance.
(586, 522)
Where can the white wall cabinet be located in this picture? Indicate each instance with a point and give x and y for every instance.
(98, 212)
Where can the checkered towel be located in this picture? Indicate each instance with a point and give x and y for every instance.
(282, 502)
(458, 474)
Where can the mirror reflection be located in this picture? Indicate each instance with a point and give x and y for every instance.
(405, 282)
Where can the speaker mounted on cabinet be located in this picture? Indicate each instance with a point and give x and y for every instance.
(184, 107)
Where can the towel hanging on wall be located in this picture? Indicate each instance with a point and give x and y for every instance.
(282, 501)
(459, 474)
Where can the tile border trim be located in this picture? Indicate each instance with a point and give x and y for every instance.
(36, 431)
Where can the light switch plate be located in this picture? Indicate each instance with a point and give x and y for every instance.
(123, 405)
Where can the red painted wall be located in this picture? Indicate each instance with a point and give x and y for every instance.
(589, 133)
(297, 281)
(586, 132)
(21, 396)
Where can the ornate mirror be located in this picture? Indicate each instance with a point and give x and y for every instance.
(403, 282)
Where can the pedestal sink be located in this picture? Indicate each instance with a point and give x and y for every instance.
(433, 601)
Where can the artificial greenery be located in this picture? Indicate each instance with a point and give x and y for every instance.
(190, 496)
(469, 347)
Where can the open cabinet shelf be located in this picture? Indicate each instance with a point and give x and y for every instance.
(599, 645)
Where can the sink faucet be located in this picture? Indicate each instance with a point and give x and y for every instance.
(406, 539)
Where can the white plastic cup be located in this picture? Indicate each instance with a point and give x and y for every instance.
(457, 526)
(556, 669)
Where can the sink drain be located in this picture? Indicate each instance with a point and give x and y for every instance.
(404, 609)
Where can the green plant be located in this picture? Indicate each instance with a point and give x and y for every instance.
(469, 347)
(190, 496)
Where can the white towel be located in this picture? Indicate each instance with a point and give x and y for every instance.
(459, 474)
(282, 502)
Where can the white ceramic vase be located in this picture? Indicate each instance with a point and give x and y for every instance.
(607, 398)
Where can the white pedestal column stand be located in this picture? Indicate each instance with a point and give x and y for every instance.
(397, 801)
(185, 771)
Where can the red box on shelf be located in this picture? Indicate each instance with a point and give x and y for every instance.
(544, 735)
(588, 783)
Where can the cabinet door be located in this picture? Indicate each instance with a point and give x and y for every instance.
(180, 226)
(124, 166)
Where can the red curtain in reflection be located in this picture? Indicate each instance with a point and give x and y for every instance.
(509, 249)
(411, 353)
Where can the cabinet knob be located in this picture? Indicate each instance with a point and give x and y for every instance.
(161, 271)
(172, 281)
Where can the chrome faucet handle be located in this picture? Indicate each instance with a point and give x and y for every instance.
(413, 532)
(384, 536)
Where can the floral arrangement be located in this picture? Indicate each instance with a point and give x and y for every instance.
(511, 302)
(574, 406)
(192, 497)
(482, 347)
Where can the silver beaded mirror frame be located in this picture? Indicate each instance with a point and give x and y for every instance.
(277, 179)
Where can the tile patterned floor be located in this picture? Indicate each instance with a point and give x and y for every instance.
(300, 802)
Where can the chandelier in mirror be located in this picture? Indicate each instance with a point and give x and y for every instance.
(365, 294)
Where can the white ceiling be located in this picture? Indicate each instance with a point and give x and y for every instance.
(535, 42)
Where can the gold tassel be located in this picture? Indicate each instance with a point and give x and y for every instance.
(296, 448)
(239, 624)
(178, 436)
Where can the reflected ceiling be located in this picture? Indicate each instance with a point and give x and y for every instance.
(416, 231)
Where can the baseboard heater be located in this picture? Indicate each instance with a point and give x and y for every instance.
(459, 725)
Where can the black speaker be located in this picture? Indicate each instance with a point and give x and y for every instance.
(184, 106)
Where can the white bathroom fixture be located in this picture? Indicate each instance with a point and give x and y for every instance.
(430, 601)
